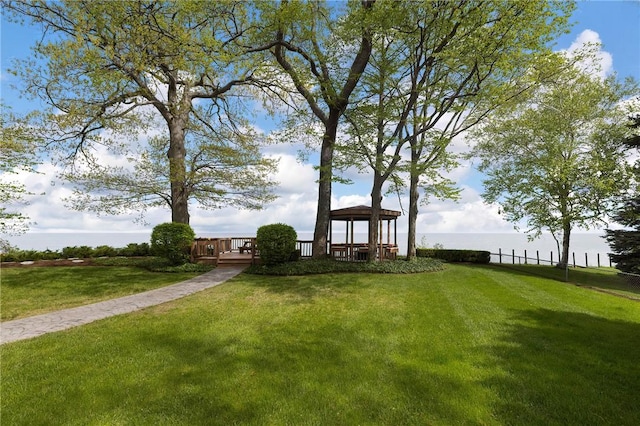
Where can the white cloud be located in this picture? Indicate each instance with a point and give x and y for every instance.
(601, 64)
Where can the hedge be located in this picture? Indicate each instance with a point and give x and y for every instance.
(468, 256)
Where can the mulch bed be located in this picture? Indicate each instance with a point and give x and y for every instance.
(48, 263)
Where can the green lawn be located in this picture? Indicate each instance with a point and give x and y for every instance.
(31, 291)
(601, 279)
(468, 345)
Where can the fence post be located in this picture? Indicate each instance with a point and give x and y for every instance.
(610, 264)
(586, 261)
(538, 256)
(525, 257)
(551, 257)
(513, 256)
(574, 258)
(598, 259)
(500, 255)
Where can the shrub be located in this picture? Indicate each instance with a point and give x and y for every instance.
(33, 255)
(276, 242)
(172, 241)
(134, 249)
(471, 256)
(104, 251)
(330, 266)
(81, 252)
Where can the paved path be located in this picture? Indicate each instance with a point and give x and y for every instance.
(26, 328)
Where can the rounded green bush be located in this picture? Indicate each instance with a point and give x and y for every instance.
(172, 241)
(276, 242)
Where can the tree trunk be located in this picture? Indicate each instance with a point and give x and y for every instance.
(374, 220)
(566, 234)
(323, 213)
(414, 195)
(177, 173)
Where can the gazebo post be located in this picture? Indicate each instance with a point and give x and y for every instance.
(395, 232)
(388, 231)
(351, 244)
(380, 253)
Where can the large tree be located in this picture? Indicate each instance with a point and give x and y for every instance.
(557, 161)
(323, 50)
(435, 71)
(222, 172)
(625, 243)
(109, 70)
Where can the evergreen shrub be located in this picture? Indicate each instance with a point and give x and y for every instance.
(172, 241)
(277, 243)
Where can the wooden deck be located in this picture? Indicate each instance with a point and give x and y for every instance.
(234, 251)
(228, 259)
(234, 258)
(243, 251)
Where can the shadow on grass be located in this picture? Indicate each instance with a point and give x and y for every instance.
(603, 279)
(320, 377)
(307, 287)
(567, 368)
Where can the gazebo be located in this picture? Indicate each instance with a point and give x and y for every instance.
(349, 250)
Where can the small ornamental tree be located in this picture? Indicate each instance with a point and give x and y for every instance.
(276, 242)
(172, 241)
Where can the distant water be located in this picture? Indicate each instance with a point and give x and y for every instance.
(590, 243)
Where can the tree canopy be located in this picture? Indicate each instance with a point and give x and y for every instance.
(110, 71)
(435, 71)
(16, 156)
(557, 161)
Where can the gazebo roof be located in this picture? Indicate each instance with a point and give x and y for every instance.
(362, 213)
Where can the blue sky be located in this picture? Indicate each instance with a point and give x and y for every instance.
(616, 24)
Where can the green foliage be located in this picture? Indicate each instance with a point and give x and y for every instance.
(26, 255)
(135, 249)
(104, 251)
(328, 266)
(81, 252)
(113, 70)
(132, 249)
(17, 155)
(625, 243)
(172, 241)
(448, 255)
(557, 162)
(277, 243)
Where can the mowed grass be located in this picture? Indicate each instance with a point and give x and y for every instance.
(31, 291)
(468, 345)
(602, 279)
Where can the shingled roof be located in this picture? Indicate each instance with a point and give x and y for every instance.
(362, 213)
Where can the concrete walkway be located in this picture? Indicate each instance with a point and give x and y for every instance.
(26, 328)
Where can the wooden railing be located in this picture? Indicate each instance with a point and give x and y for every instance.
(305, 247)
(205, 247)
(360, 251)
(213, 247)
